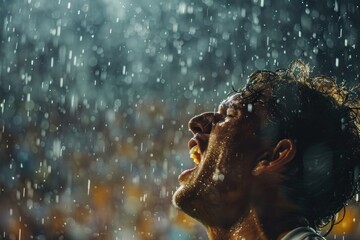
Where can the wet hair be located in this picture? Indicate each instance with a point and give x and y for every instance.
(323, 119)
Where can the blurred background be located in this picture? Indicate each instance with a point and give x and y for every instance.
(95, 96)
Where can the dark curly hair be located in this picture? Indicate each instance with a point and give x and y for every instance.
(323, 119)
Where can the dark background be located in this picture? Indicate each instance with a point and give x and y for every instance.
(95, 97)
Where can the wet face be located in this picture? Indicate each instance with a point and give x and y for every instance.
(225, 148)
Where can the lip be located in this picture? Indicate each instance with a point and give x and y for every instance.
(201, 143)
(200, 140)
(185, 174)
(193, 142)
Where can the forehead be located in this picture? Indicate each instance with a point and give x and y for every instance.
(255, 103)
(235, 100)
(239, 100)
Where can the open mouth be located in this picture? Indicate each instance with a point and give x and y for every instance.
(195, 154)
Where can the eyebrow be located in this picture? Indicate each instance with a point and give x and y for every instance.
(224, 105)
(242, 101)
(234, 105)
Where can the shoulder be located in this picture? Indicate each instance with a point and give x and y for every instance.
(314, 238)
(302, 233)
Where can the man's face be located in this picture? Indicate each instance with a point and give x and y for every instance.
(226, 145)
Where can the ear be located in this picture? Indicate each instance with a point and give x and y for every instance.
(283, 153)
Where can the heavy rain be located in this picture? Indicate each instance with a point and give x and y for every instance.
(95, 97)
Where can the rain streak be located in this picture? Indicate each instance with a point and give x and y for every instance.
(95, 97)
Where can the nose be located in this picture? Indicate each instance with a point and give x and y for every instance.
(203, 123)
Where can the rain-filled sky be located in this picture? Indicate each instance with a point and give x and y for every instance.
(95, 96)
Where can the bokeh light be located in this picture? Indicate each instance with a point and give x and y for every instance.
(95, 96)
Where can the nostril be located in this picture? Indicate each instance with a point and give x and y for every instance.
(201, 123)
(197, 129)
(195, 126)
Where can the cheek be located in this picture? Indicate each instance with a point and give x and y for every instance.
(227, 136)
(231, 172)
(235, 175)
(234, 170)
(234, 189)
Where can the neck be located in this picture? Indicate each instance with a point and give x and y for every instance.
(248, 228)
(269, 216)
(271, 224)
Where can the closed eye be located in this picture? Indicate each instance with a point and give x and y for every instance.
(231, 112)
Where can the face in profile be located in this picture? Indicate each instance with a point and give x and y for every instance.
(225, 148)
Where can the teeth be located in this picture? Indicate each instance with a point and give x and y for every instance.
(195, 154)
(194, 149)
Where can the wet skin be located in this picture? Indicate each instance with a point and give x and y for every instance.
(230, 144)
(227, 191)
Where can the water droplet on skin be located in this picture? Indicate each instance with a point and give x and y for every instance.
(249, 107)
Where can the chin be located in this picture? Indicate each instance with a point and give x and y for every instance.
(196, 205)
(210, 211)
(182, 198)
(188, 201)
(175, 198)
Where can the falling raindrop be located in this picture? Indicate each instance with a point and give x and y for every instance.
(95, 97)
